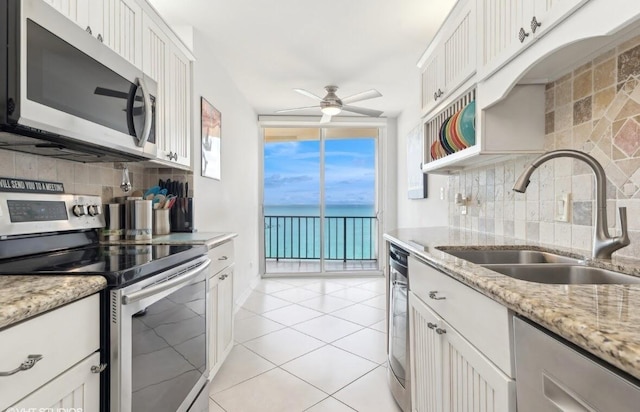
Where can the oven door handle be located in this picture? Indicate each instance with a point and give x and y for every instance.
(152, 290)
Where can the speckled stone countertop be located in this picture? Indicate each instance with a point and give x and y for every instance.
(22, 297)
(602, 319)
(211, 239)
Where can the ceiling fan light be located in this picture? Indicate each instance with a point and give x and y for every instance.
(331, 110)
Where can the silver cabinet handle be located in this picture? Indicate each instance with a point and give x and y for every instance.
(25, 365)
(223, 258)
(98, 368)
(535, 24)
(522, 35)
(88, 30)
(100, 39)
(433, 295)
(431, 325)
(441, 331)
(223, 277)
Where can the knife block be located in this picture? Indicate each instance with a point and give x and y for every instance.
(181, 216)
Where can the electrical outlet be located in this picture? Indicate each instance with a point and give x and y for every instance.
(563, 207)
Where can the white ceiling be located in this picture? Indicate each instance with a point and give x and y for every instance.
(270, 47)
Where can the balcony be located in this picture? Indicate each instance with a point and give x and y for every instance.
(293, 243)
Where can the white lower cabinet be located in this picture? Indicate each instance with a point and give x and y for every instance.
(448, 373)
(77, 388)
(221, 305)
(66, 373)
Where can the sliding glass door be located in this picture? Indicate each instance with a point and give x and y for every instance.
(320, 200)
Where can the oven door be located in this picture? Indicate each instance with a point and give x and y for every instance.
(159, 340)
(70, 84)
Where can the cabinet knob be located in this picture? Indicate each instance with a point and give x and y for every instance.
(522, 35)
(535, 24)
(98, 368)
(172, 156)
(88, 30)
(438, 94)
(440, 331)
(223, 258)
(223, 277)
(100, 39)
(433, 295)
(431, 325)
(435, 95)
(25, 365)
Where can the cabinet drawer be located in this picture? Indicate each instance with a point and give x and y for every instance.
(77, 388)
(63, 337)
(221, 256)
(482, 321)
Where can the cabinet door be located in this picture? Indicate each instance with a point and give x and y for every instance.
(548, 13)
(471, 382)
(76, 388)
(432, 83)
(75, 10)
(123, 28)
(178, 109)
(155, 64)
(459, 49)
(426, 357)
(499, 24)
(225, 313)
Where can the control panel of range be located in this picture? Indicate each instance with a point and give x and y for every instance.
(30, 213)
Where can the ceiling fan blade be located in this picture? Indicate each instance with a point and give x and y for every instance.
(362, 110)
(297, 108)
(369, 94)
(308, 94)
(326, 118)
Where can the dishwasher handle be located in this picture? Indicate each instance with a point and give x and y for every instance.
(160, 287)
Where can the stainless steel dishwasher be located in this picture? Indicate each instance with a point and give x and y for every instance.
(398, 374)
(554, 375)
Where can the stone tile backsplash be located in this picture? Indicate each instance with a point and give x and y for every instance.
(102, 179)
(595, 109)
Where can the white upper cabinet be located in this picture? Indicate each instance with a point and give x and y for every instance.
(116, 23)
(169, 66)
(507, 28)
(123, 28)
(451, 59)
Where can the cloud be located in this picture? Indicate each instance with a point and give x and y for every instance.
(276, 180)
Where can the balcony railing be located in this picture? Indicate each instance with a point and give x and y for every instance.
(298, 237)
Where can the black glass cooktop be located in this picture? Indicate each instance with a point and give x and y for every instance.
(119, 264)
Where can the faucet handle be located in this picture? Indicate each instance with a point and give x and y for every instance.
(624, 237)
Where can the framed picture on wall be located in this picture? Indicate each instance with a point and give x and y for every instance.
(417, 181)
(211, 120)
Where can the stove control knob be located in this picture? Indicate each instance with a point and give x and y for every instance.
(94, 210)
(79, 210)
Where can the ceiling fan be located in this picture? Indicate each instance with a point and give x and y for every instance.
(331, 105)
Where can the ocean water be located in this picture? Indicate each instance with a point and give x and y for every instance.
(293, 232)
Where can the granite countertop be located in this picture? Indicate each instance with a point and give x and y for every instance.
(22, 297)
(602, 319)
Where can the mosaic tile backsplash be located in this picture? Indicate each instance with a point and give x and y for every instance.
(102, 179)
(595, 109)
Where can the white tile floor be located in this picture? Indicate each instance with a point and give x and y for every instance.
(302, 344)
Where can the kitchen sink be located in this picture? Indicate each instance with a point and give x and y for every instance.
(510, 256)
(563, 274)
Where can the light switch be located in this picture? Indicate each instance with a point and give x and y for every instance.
(563, 207)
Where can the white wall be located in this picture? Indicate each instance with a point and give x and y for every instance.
(231, 204)
(419, 212)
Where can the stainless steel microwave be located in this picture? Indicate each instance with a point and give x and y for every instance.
(66, 95)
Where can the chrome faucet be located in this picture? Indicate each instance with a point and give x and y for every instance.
(603, 244)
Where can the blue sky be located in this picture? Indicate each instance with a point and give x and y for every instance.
(292, 172)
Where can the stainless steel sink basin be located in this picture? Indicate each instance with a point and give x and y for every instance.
(563, 274)
(514, 256)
